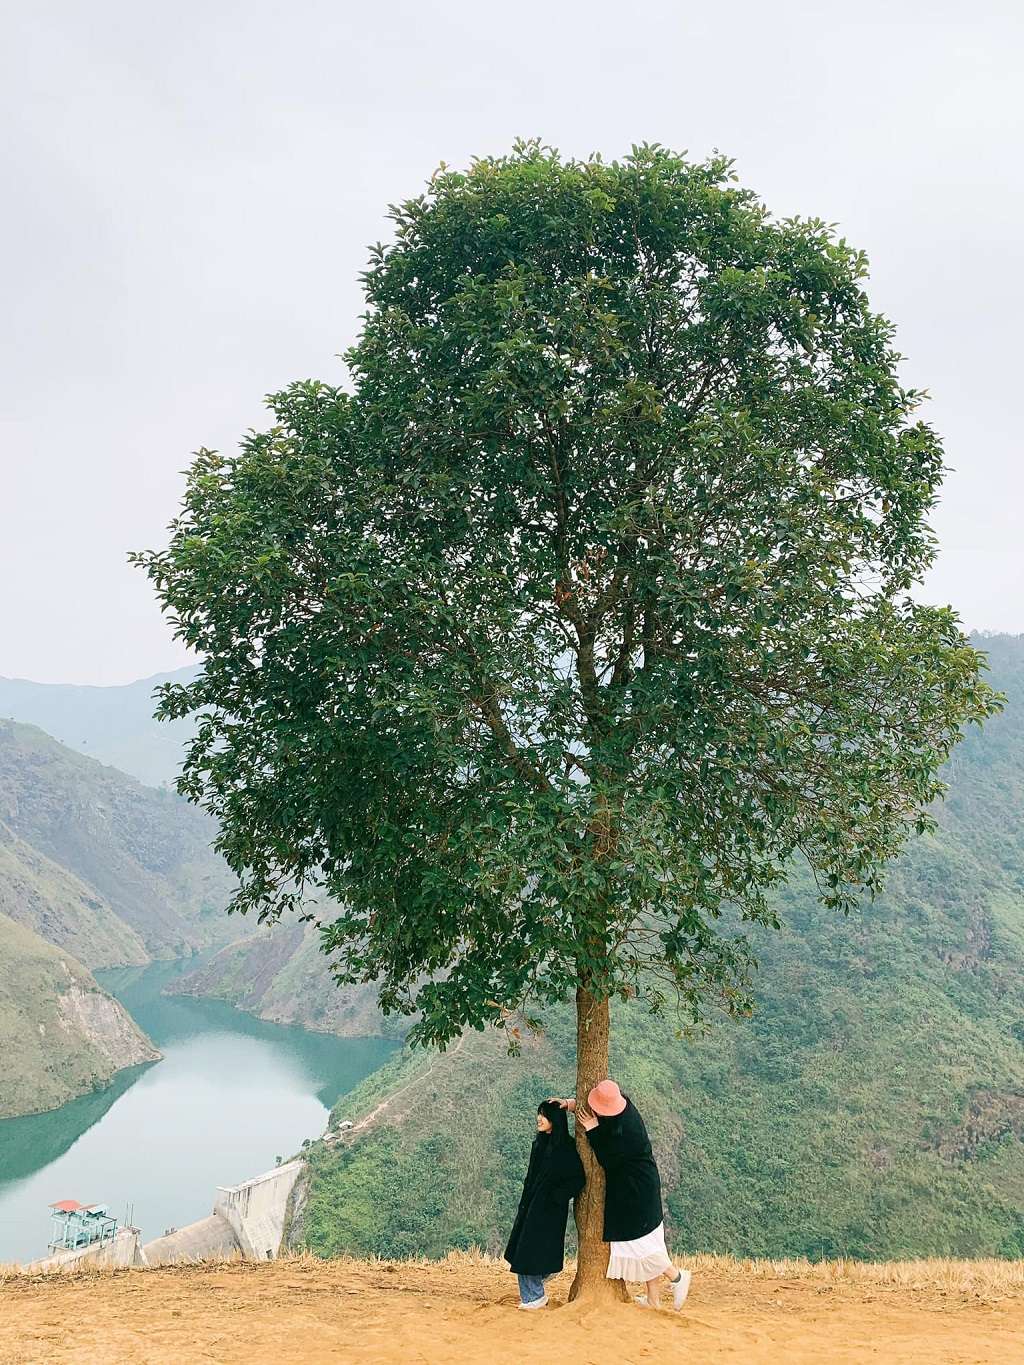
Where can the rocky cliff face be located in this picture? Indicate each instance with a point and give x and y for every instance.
(86, 1011)
(62, 1035)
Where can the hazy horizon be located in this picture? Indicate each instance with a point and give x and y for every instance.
(162, 674)
(192, 193)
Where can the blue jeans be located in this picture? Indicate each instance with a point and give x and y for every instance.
(531, 1287)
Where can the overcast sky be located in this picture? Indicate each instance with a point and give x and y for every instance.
(190, 189)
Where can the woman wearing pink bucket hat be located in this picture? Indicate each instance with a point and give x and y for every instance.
(634, 1222)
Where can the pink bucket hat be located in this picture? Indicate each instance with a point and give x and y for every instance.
(606, 1099)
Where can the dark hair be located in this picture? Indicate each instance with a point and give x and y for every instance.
(557, 1117)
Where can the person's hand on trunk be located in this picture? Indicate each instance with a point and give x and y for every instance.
(585, 1117)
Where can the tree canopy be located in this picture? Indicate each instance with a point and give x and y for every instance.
(549, 640)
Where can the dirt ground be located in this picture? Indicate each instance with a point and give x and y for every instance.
(463, 1310)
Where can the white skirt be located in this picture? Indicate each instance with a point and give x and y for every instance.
(645, 1258)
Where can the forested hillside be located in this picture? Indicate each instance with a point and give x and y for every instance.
(39, 894)
(873, 1106)
(142, 855)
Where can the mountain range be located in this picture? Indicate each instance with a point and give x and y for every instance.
(112, 724)
(96, 870)
(872, 1106)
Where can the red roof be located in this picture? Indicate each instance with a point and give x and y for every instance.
(71, 1206)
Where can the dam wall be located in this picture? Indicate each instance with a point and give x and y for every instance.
(210, 1239)
(248, 1220)
(122, 1249)
(257, 1209)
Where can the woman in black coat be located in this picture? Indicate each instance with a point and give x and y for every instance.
(536, 1245)
(633, 1218)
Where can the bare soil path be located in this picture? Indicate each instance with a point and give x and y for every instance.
(462, 1310)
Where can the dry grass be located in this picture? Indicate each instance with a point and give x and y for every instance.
(989, 1279)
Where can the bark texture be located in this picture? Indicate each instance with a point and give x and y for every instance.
(591, 1280)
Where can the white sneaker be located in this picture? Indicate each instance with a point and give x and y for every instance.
(537, 1303)
(680, 1288)
(641, 1301)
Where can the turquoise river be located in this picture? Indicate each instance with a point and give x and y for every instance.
(231, 1094)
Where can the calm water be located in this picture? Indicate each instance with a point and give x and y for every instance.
(231, 1094)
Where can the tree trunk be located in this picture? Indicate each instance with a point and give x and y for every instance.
(591, 1280)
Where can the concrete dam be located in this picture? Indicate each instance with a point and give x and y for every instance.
(249, 1220)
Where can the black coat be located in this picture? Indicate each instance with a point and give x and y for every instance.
(632, 1199)
(536, 1245)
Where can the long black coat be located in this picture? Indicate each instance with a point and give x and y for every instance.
(536, 1245)
(632, 1199)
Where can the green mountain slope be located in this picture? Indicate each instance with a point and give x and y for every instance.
(62, 1036)
(111, 724)
(873, 1106)
(37, 893)
(279, 973)
(145, 852)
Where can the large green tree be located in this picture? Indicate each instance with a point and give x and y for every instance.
(547, 643)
